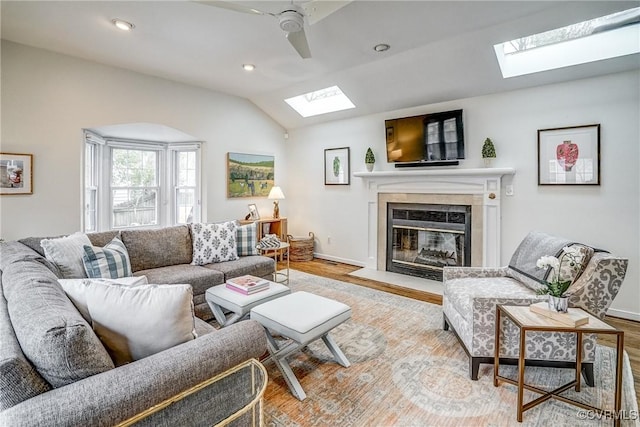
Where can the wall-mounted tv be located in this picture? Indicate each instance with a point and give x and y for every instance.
(426, 140)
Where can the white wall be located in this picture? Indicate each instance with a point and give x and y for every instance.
(48, 98)
(604, 216)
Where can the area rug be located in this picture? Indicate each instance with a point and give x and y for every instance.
(406, 371)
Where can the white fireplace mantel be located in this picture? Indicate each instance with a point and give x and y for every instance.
(483, 184)
(479, 172)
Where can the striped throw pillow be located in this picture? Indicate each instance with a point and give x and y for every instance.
(246, 240)
(110, 262)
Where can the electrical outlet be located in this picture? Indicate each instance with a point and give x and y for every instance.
(509, 190)
(328, 239)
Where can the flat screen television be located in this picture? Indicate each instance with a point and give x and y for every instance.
(425, 140)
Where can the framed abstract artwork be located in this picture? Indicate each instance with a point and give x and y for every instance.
(16, 173)
(337, 168)
(569, 155)
(249, 175)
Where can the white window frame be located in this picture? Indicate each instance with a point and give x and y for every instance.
(174, 150)
(166, 179)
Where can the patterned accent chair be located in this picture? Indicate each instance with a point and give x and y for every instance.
(472, 293)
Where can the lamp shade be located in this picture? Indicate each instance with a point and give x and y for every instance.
(276, 193)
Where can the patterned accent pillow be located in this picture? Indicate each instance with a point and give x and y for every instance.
(247, 239)
(66, 253)
(214, 242)
(110, 262)
(570, 272)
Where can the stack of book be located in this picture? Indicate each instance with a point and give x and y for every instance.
(247, 285)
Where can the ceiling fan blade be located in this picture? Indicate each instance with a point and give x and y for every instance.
(299, 42)
(232, 6)
(317, 10)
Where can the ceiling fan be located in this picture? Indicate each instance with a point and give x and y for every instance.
(291, 18)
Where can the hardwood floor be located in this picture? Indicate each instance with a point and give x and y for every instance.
(339, 271)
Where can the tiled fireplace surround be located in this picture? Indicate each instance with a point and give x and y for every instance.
(478, 188)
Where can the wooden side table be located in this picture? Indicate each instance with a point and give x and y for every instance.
(527, 321)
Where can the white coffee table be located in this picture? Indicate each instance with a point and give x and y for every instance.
(301, 317)
(220, 298)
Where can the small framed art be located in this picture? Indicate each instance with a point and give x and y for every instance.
(337, 168)
(253, 212)
(569, 155)
(16, 173)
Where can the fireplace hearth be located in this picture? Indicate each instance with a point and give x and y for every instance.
(422, 238)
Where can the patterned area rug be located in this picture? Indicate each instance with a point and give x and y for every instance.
(407, 371)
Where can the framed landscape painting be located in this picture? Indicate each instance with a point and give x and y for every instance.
(569, 155)
(336, 166)
(16, 173)
(249, 175)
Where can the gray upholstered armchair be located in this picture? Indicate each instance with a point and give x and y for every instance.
(471, 294)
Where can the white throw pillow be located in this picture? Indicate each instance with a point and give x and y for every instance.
(134, 322)
(214, 242)
(76, 290)
(66, 253)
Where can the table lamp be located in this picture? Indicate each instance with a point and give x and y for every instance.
(276, 194)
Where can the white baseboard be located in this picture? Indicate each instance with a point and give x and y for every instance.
(338, 259)
(623, 314)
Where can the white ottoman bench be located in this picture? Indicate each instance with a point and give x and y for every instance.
(220, 298)
(303, 318)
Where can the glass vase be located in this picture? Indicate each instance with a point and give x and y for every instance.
(559, 304)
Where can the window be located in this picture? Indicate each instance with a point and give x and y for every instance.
(321, 101)
(90, 188)
(186, 186)
(140, 184)
(598, 39)
(134, 188)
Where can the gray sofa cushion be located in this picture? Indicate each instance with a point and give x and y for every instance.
(51, 332)
(255, 265)
(158, 248)
(34, 243)
(11, 252)
(101, 239)
(19, 380)
(522, 266)
(199, 278)
(203, 328)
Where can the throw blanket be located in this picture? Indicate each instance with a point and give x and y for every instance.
(535, 245)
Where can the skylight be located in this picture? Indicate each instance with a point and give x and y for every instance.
(320, 101)
(601, 38)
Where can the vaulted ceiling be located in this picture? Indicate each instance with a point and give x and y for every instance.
(440, 50)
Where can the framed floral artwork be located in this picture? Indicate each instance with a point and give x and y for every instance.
(569, 155)
(16, 173)
(337, 166)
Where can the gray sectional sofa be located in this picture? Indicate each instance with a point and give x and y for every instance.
(164, 256)
(55, 371)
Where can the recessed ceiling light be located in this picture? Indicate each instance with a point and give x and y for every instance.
(382, 47)
(248, 67)
(123, 25)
